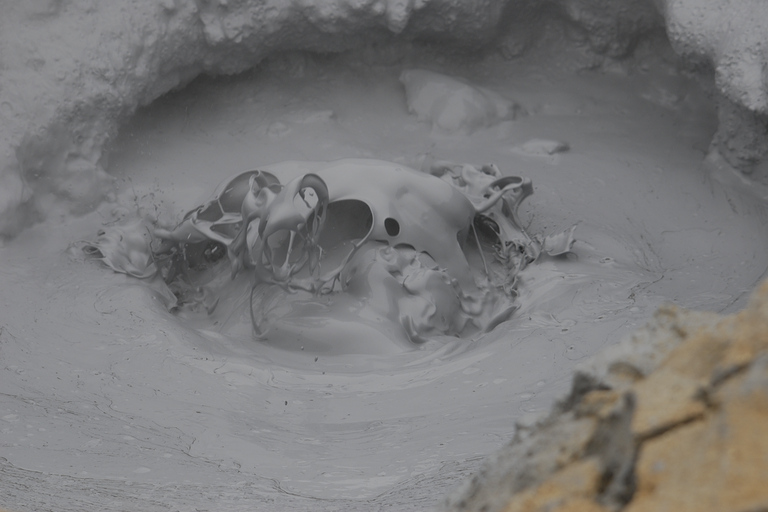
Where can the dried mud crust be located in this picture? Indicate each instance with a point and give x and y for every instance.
(679, 429)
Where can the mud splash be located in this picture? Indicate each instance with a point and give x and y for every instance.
(341, 249)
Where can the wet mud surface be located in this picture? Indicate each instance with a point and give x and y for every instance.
(110, 401)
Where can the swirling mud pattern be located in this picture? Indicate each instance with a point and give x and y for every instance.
(340, 287)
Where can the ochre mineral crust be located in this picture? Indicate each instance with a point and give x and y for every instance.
(679, 428)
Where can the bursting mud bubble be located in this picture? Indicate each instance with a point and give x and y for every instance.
(345, 243)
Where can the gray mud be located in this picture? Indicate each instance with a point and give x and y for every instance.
(110, 402)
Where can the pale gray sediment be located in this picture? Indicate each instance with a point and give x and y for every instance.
(97, 410)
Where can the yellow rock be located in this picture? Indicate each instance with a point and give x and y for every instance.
(734, 341)
(665, 399)
(571, 489)
(719, 463)
(701, 353)
(599, 403)
(571, 505)
(698, 416)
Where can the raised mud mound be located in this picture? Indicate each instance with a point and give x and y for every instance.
(73, 71)
(671, 419)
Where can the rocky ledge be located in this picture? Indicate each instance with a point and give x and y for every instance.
(72, 71)
(672, 419)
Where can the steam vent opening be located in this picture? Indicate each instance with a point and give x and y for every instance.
(331, 255)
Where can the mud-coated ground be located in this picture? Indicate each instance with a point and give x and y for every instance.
(108, 402)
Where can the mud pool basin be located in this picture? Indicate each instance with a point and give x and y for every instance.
(111, 401)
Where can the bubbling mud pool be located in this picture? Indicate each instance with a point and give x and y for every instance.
(110, 392)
